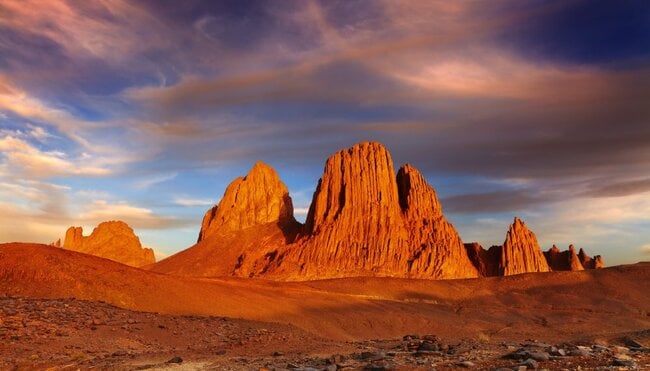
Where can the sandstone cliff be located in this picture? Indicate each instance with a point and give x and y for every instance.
(258, 198)
(521, 252)
(590, 263)
(563, 260)
(485, 261)
(364, 220)
(241, 235)
(113, 240)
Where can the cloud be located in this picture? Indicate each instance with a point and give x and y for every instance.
(19, 102)
(493, 202)
(154, 179)
(301, 211)
(645, 249)
(136, 217)
(23, 159)
(620, 189)
(193, 202)
(103, 30)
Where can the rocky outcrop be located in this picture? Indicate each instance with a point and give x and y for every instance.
(243, 234)
(258, 198)
(485, 261)
(521, 252)
(590, 263)
(113, 240)
(563, 260)
(365, 220)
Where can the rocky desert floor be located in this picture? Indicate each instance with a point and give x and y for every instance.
(70, 334)
(65, 310)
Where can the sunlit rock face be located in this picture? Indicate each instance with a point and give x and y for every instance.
(364, 220)
(521, 252)
(113, 240)
(244, 234)
(258, 198)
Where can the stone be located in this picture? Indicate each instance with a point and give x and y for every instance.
(521, 252)
(530, 363)
(428, 347)
(366, 221)
(623, 360)
(175, 359)
(256, 199)
(539, 356)
(373, 356)
(113, 240)
(466, 364)
(580, 353)
(590, 263)
(563, 260)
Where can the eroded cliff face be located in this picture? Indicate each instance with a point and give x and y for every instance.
(242, 235)
(590, 263)
(258, 198)
(113, 240)
(364, 220)
(434, 245)
(521, 252)
(563, 260)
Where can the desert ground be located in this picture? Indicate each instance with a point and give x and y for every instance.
(66, 310)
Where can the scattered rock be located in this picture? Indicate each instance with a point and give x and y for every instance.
(466, 364)
(176, 359)
(530, 363)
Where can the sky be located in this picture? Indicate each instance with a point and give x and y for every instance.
(144, 111)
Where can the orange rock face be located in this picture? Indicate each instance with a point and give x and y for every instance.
(521, 252)
(563, 260)
(113, 240)
(258, 198)
(590, 263)
(242, 235)
(364, 220)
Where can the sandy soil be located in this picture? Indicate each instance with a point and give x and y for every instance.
(128, 318)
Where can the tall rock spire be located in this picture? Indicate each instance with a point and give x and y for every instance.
(365, 220)
(521, 252)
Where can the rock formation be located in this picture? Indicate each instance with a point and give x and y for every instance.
(563, 260)
(521, 252)
(364, 220)
(485, 261)
(258, 198)
(590, 263)
(241, 235)
(113, 240)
